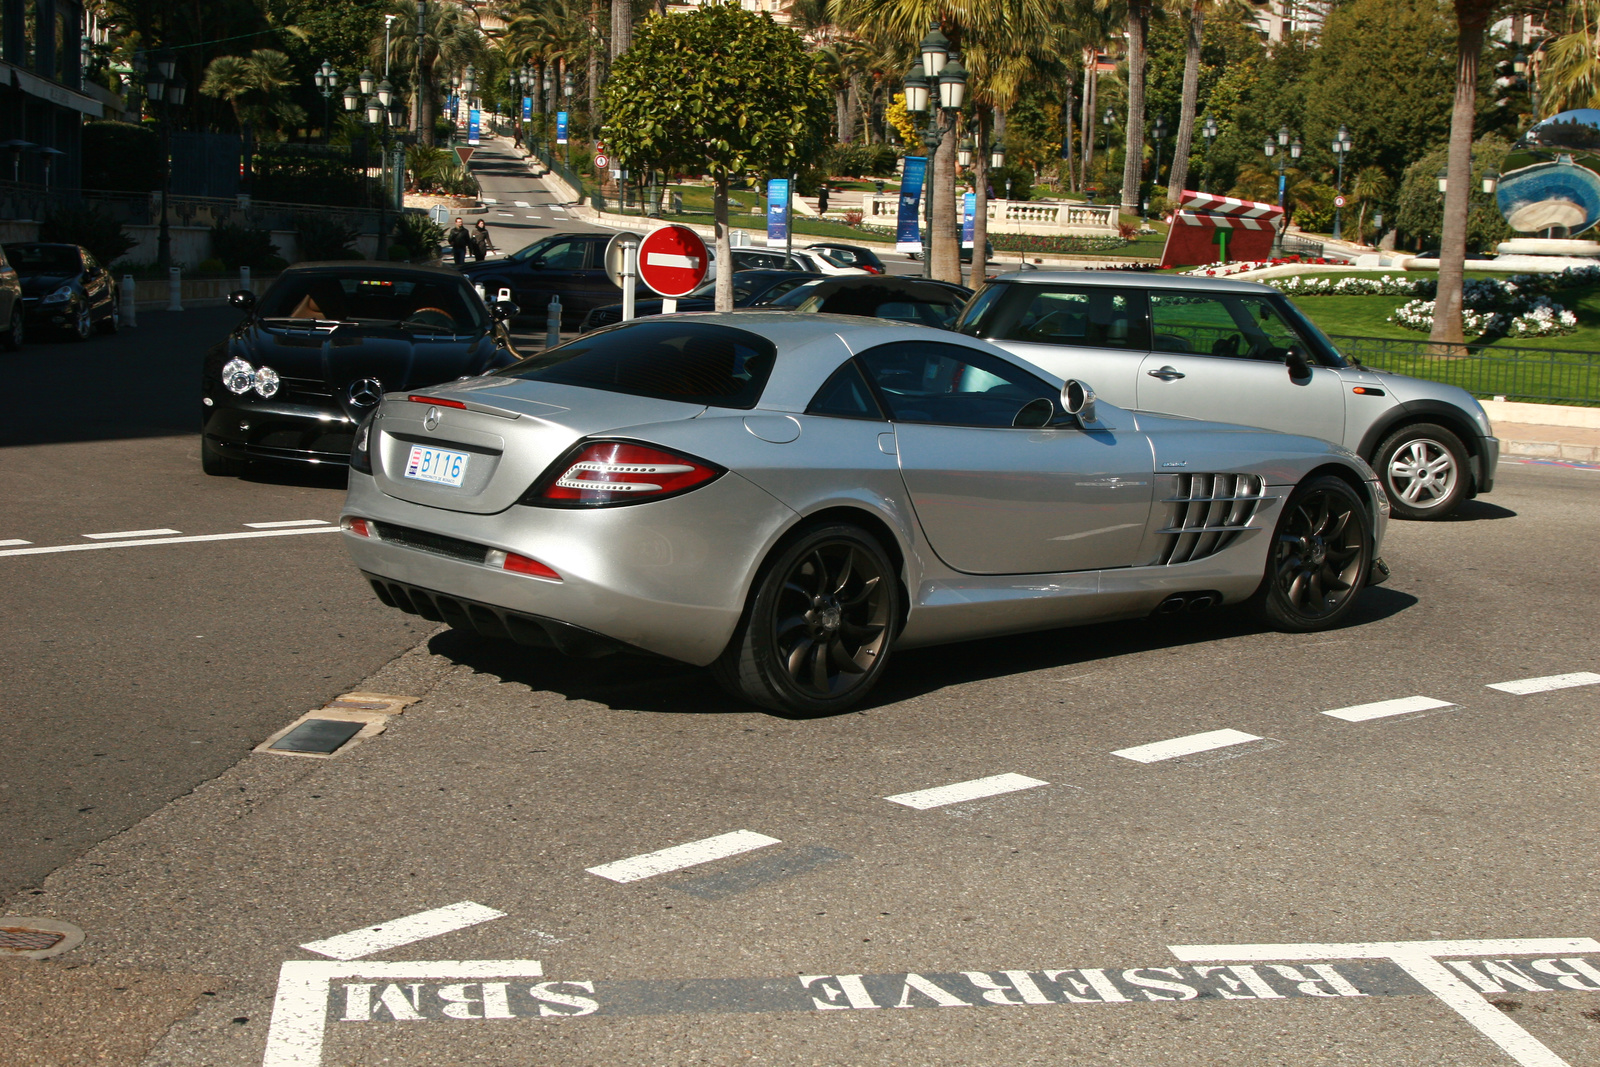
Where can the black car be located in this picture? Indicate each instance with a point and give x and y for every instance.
(851, 256)
(64, 289)
(569, 265)
(966, 253)
(751, 288)
(915, 300)
(316, 353)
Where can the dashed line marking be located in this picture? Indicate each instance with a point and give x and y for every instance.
(678, 857)
(403, 931)
(1157, 751)
(490, 200)
(14, 541)
(507, 214)
(530, 216)
(1383, 708)
(1525, 686)
(520, 203)
(42, 550)
(977, 789)
(130, 533)
(285, 524)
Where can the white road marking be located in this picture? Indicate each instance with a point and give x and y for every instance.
(42, 550)
(507, 214)
(14, 541)
(490, 200)
(679, 856)
(1184, 746)
(403, 931)
(1525, 686)
(557, 207)
(520, 203)
(976, 789)
(300, 1009)
(530, 216)
(1419, 959)
(130, 533)
(1382, 708)
(285, 524)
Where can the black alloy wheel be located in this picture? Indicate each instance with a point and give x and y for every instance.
(12, 338)
(113, 317)
(817, 632)
(1319, 558)
(82, 323)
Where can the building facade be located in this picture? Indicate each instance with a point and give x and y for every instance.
(42, 105)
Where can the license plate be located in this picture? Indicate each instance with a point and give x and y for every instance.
(436, 465)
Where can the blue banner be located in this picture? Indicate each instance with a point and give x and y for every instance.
(561, 127)
(969, 211)
(455, 105)
(908, 237)
(777, 211)
(527, 108)
(472, 126)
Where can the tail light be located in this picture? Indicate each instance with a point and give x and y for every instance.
(510, 561)
(870, 269)
(359, 527)
(599, 473)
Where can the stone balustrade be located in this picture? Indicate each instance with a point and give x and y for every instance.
(1042, 217)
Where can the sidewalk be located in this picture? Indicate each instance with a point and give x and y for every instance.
(1579, 444)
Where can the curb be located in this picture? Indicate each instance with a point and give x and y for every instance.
(1551, 450)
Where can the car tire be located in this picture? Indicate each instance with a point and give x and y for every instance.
(82, 327)
(818, 626)
(1319, 559)
(12, 338)
(216, 464)
(111, 322)
(1424, 470)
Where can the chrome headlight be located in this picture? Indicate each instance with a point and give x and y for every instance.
(238, 376)
(267, 383)
(60, 296)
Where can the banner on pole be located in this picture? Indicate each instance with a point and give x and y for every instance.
(969, 211)
(527, 108)
(908, 237)
(777, 211)
(472, 125)
(561, 127)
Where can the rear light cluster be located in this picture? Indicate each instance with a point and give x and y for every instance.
(359, 527)
(616, 472)
(510, 561)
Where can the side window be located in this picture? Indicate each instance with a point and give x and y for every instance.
(562, 255)
(1221, 324)
(845, 395)
(1090, 316)
(781, 288)
(953, 386)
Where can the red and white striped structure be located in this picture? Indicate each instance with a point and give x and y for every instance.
(1218, 229)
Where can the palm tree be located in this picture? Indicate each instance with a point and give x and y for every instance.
(450, 41)
(1370, 185)
(1138, 25)
(1572, 62)
(1472, 18)
(256, 87)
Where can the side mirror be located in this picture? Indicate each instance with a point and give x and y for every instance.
(503, 310)
(243, 299)
(1298, 366)
(1077, 399)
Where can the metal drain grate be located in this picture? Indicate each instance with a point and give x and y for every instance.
(21, 939)
(323, 736)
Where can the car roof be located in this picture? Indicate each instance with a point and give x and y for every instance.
(1122, 278)
(41, 244)
(841, 244)
(922, 287)
(368, 266)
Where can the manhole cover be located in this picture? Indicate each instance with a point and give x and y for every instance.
(36, 939)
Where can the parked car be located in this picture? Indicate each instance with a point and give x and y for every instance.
(65, 290)
(815, 262)
(316, 353)
(569, 265)
(1211, 348)
(916, 300)
(787, 499)
(11, 305)
(966, 253)
(850, 256)
(751, 288)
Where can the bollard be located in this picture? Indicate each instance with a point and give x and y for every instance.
(174, 289)
(244, 277)
(552, 335)
(482, 293)
(128, 303)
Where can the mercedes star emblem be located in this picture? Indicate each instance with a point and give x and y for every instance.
(430, 421)
(365, 392)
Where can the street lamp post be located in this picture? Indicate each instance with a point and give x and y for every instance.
(378, 117)
(165, 88)
(1208, 130)
(1284, 149)
(1108, 120)
(1341, 145)
(416, 72)
(326, 78)
(566, 93)
(1159, 131)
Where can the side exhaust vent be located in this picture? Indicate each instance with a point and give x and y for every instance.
(1209, 512)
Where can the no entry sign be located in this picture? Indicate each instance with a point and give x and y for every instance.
(673, 260)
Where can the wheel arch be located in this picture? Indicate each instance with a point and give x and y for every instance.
(1418, 411)
(856, 515)
(1360, 486)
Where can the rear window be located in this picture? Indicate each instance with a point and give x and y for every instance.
(693, 362)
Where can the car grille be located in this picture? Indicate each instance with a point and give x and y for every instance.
(438, 544)
(305, 390)
(1209, 512)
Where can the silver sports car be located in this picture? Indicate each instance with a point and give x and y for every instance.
(786, 498)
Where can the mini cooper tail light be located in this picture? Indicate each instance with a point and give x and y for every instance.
(510, 561)
(618, 472)
(359, 527)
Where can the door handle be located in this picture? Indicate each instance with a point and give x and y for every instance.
(1166, 374)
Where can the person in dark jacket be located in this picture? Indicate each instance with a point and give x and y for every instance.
(458, 237)
(481, 245)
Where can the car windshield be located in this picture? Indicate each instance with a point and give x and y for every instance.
(44, 259)
(424, 304)
(667, 359)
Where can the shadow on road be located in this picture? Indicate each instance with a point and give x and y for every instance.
(1479, 511)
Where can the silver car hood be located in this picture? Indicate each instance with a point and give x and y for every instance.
(511, 431)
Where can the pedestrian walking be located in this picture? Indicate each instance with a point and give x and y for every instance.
(481, 244)
(458, 237)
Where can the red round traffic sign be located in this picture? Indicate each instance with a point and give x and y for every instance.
(1338, 201)
(673, 260)
(601, 162)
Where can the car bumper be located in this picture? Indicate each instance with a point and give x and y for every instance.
(49, 316)
(667, 577)
(1486, 463)
(279, 431)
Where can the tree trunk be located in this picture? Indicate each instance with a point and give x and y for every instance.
(429, 107)
(719, 200)
(841, 114)
(1179, 175)
(1091, 93)
(944, 232)
(1067, 152)
(1471, 17)
(594, 65)
(980, 186)
(1133, 165)
(853, 107)
(621, 27)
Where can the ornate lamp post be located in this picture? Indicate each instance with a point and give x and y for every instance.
(1159, 132)
(165, 88)
(964, 153)
(1341, 145)
(378, 117)
(1108, 120)
(326, 78)
(1209, 131)
(1289, 150)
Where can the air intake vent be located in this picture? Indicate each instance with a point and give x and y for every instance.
(439, 544)
(1209, 512)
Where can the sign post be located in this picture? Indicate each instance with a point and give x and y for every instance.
(561, 127)
(473, 119)
(908, 237)
(777, 211)
(673, 261)
(622, 267)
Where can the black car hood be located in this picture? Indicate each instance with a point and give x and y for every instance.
(39, 284)
(396, 359)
